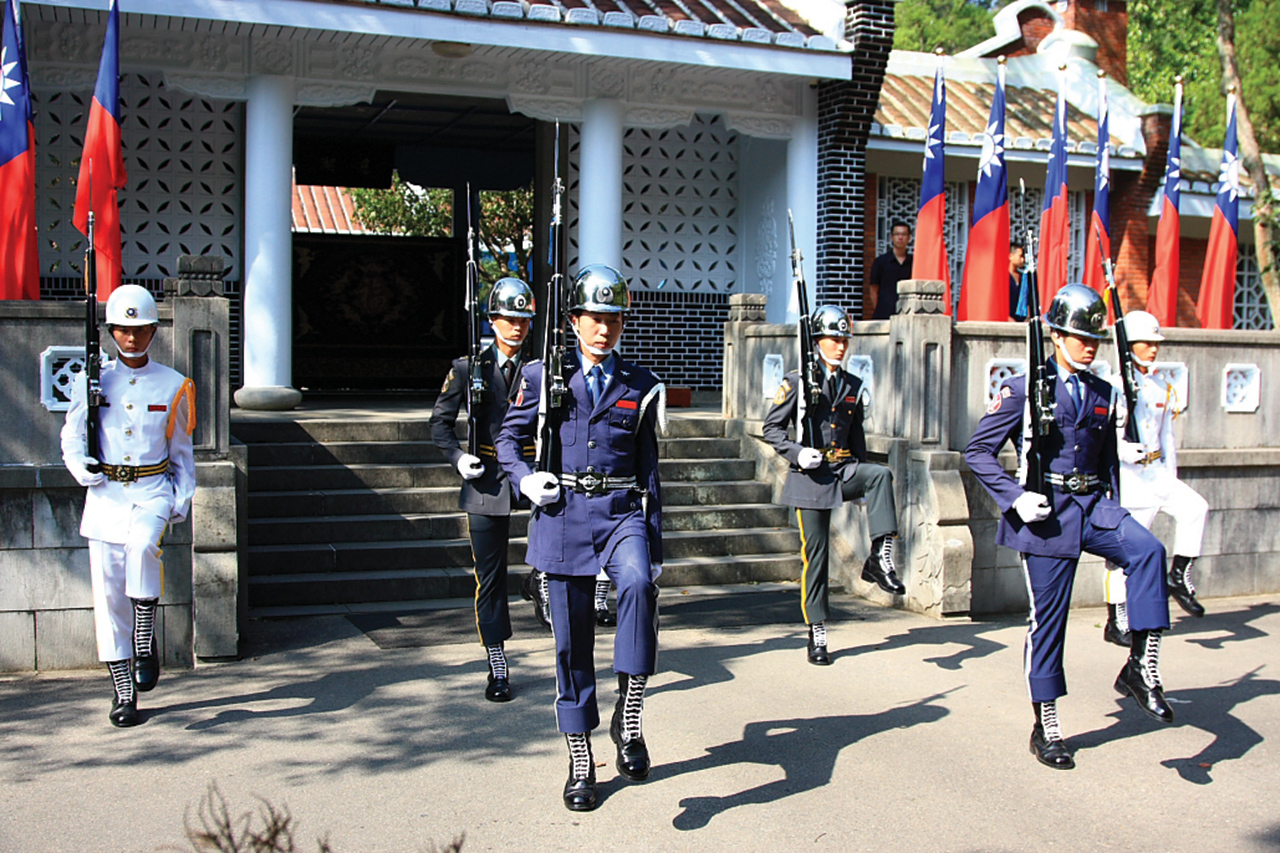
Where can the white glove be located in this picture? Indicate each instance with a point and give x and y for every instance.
(809, 458)
(540, 487)
(1032, 506)
(655, 569)
(470, 466)
(1131, 452)
(79, 468)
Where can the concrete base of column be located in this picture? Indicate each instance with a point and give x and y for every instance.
(272, 398)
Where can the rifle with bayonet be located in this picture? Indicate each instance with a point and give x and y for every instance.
(94, 401)
(552, 396)
(475, 375)
(1128, 373)
(810, 391)
(1040, 379)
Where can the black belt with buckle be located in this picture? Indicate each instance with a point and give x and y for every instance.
(1075, 483)
(836, 454)
(133, 473)
(595, 483)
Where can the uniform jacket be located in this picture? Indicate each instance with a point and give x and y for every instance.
(617, 438)
(1149, 485)
(840, 419)
(490, 493)
(1086, 448)
(150, 415)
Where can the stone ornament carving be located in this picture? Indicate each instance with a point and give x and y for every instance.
(322, 94)
(272, 57)
(59, 367)
(1241, 387)
(358, 63)
(71, 79)
(998, 370)
(653, 118)
(198, 275)
(608, 83)
(546, 108)
(766, 248)
(760, 127)
(917, 296)
(223, 88)
(529, 77)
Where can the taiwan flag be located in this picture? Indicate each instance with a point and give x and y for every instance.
(1098, 240)
(984, 288)
(1216, 305)
(931, 249)
(19, 262)
(1052, 263)
(103, 158)
(1162, 298)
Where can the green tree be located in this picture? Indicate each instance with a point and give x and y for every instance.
(952, 25)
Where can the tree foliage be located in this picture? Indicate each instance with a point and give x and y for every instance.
(952, 25)
(505, 221)
(1172, 37)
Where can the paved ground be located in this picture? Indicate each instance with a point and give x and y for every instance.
(914, 739)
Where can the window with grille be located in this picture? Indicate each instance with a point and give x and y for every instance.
(899, 198)
(1251, 309)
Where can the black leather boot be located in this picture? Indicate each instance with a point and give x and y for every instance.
(1180, 586)
(879, 568)
(533, 588)
(1117, 628)
(1047, 744)
(499, 688)
(1140, 677)
(124, 700)
(603, 617)
(146, 662)
(625, 730)
(580, 788)
(818, 644)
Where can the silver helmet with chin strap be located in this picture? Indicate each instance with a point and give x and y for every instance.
(830, 321)
(1078, 310)
(511, 297)
(599, 288)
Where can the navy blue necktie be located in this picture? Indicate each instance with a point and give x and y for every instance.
(1077, 396)
(595, 379)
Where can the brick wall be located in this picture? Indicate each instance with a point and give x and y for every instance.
(845, 110)
(1110, 29)
(1130, 200)
(1190, 267)
(679, 336)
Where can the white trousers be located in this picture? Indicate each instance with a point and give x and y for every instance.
(121, 573)
(1188, 510)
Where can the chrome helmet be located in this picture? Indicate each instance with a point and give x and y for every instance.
(830, 321)
(601, 289)
(511, 297)
(131, 305)
(1142, 327)
(1078, 310)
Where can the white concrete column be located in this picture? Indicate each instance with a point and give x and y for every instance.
(802, 199)
(268, 246)
(600, 183)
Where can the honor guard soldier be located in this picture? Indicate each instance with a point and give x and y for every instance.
(142, 483)
(487, 496)
(819, 480)
(1149, 479)
(1081, 514)
(602, 511)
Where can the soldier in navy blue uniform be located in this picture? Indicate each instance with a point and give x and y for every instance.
(821, 479)
(487, 496)
(600, 508)
(1082, 514)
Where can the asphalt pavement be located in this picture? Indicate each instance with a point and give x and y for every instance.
(373, 732)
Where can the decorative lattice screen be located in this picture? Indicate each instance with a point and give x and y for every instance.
(1251, 309)
(899, 198)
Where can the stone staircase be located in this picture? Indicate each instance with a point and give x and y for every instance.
(353, 514)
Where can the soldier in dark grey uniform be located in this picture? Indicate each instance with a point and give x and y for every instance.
(486, 496)
(821, 479)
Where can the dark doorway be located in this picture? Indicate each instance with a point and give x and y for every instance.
(379, 313)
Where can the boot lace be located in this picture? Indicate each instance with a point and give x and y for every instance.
(1150, 661)
(544, 596)
(1049, 721)
(120, 680)
(497, 661)
(1186, 576)
(633, 707)
(602, 593)
(886, 554)
(819, 632)
(579, 754)
(144, 626)
(1122, 617)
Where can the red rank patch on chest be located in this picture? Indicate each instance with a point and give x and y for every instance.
(1099, 410)
(157, 408)
(627, 404)
(851, 399)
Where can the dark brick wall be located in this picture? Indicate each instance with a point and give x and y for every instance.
(845, 110)
(679, 336)
(1130, 200)
(1110, 29)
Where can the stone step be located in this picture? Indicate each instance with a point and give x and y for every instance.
(378, 556)
(338, 588)
(375, 528)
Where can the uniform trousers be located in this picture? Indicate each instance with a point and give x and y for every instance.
(875, 483)
(121, 572)
(1049, 584)
(1189, 511)
(490, 536)
(573, 622)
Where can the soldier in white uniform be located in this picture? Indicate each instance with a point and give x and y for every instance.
(141, 481)
(1149, 479)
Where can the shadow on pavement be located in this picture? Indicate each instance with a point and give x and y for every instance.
(805, 749)
(1236, 624)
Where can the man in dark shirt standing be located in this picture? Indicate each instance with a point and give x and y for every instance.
(889, 269)
(1017, 258)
